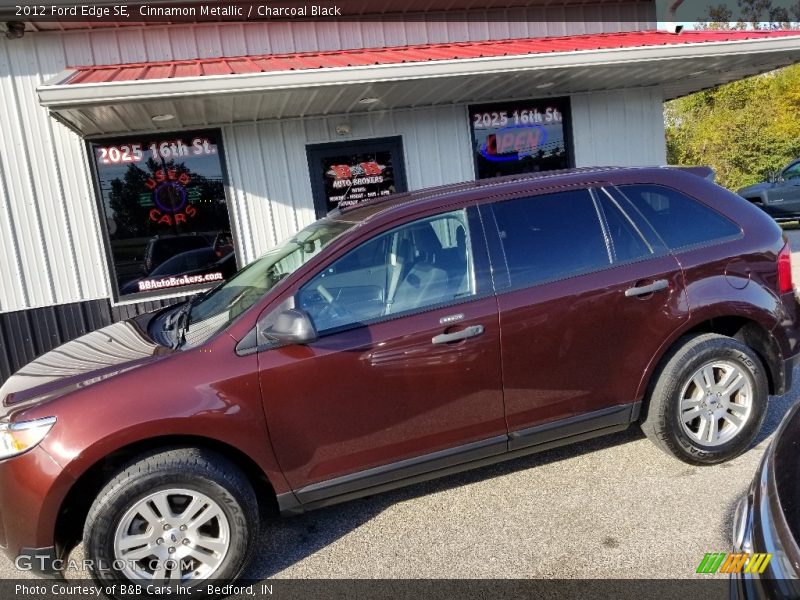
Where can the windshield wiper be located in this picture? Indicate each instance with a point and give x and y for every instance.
(179, 321)
(182, 324)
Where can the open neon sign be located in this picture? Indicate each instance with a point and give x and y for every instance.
(514, 142)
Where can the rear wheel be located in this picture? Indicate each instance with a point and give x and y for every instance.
(176, 517)
(709, 400)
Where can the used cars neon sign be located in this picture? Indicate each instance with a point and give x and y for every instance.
(170, 197)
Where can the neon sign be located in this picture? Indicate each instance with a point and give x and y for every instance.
(170, 197)
(514, 142)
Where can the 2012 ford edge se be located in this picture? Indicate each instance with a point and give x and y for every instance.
(396, 341)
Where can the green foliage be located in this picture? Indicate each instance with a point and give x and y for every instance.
(743, 129)
(746, 128)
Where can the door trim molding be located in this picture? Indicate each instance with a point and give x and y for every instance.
(565, 428)
(460, 458)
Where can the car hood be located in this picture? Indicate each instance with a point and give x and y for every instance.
(756, 188)
(84, 361)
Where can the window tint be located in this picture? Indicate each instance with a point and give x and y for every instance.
(677, 218)
(551, 236)
(626, 241)
(421, 264)
(792, 172)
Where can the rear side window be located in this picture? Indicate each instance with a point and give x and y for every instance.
(627, 243)
(551, 236)
(679, 220)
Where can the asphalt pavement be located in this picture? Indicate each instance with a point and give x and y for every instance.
(615, 507)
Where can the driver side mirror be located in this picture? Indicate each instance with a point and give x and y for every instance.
(773, 176)
(292, 326)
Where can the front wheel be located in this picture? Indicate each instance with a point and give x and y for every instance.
(176, 517)
(709, 400)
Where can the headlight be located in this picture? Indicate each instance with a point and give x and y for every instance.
(16, 438)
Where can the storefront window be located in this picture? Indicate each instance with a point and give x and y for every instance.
(163, 201)
(348, 173)
(521, 137)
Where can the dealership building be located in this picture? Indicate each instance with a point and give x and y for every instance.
(141, 162)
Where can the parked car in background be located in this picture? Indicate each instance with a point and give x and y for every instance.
(779, 196)
(400, 340)
(767, 521)
(223, 243)
(163, 247)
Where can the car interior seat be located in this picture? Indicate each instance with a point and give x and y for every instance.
(426, 282)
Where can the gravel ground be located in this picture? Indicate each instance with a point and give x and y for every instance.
(612, 507)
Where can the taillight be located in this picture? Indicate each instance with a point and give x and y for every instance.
(785, 269)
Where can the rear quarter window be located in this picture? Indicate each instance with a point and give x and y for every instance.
(678, 219)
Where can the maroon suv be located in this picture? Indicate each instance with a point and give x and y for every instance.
(394, 342)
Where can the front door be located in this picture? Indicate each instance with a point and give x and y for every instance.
(584, 307)
(784, 196)
(406, 366)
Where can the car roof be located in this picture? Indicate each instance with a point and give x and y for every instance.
(495, 186)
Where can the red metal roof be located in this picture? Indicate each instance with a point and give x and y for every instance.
(240, 65)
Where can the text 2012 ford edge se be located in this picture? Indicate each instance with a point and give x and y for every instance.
(396, 341)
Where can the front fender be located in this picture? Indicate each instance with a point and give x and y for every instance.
(207, 393)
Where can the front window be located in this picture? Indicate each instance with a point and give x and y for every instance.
(413, 267)
(792, 172)
(219, 307)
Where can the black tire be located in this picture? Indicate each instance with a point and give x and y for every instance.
(662, 422)
(193, 469)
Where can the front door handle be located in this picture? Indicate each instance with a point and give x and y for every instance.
(467, 332)
(643, 290)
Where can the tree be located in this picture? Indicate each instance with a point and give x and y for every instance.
(746, 128)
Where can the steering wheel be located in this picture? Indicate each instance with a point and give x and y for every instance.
(333, 311)
(326, 295)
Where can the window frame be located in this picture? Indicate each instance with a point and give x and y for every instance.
(118, 299)
(564, 103)
(618, 189)
(480, 264)
(643, 228)
(317, 153)
(791, 166)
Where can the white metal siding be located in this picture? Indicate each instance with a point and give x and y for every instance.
(619, 128)
(51, 248)
(272, 186)
(268, 166)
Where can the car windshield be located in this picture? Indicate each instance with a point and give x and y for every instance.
(214, 310)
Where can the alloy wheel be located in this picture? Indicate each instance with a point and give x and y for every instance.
(716, 403)
(176, 535)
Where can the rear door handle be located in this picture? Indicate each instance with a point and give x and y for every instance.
(467, 332)
(643, 290)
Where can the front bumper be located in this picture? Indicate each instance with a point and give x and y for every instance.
(32, 489)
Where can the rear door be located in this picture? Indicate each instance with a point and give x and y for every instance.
(586, 298)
